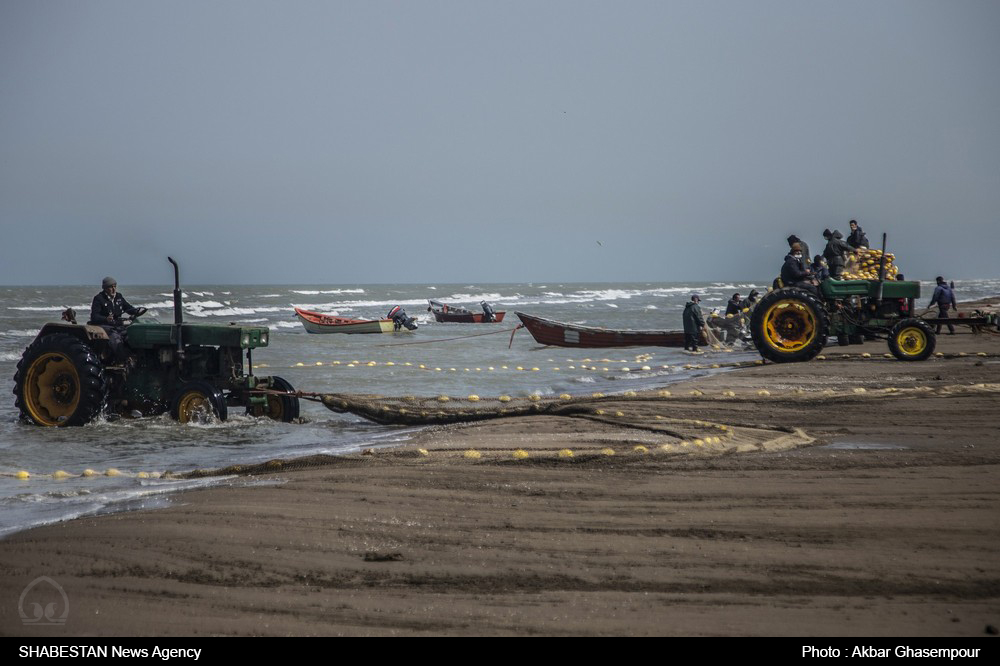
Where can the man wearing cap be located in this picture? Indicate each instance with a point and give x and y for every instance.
(943, 298)
(106, 311)
(694, 321)
(802, 244)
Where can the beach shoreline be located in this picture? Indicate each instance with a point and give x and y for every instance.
(855, 495)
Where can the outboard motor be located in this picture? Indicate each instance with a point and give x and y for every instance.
(400, 319)
(488, 313)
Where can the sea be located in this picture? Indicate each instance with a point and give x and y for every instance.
(114, 466)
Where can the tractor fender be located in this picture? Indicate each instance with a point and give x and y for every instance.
(82, 332)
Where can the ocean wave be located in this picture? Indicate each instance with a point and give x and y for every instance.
(473, 298)
(316, 292)
(10, 356)
(356, 305)
(26, 333)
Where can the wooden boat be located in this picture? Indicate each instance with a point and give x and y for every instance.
(458, 314)
(317, 322)
(549, 332)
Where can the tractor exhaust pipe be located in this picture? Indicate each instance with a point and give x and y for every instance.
(881, 270)
(178, 309)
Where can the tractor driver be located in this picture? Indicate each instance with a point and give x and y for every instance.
(106, 311)
(795, 274)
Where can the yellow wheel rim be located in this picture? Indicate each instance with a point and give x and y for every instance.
(51, 389)
(912, 341)
(194, 405)
(789, 326)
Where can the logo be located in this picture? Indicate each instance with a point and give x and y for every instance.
(43, 602)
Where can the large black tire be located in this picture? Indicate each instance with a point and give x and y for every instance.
(789, 325)
(59, 382)
(198, 401)
(912, 340)
(283, 408)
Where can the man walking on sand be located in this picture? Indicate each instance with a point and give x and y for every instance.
(944, 298)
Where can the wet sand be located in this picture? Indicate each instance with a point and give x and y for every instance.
(856, 496)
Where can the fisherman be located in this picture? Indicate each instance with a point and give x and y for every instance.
(795, 239)
(694, 322)
(106, 311)
(857, 238)
(944, 298)
(794, 273)
(750, 301)
(819, 268)
(836, 252)
(734, 305)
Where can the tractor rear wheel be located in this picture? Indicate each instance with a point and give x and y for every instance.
(283, 408)
(198, 401)
(911, 340)
(59, 382)
(789, 325)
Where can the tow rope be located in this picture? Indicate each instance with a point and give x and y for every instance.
(461, 337)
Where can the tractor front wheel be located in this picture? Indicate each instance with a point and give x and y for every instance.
(789, 325)
(199, 402)
(911, 340)
(283, 408)
(59, 382)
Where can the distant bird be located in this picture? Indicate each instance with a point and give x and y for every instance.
(600, 243)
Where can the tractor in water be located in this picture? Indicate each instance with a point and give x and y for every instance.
(792, 324)
(68, 375)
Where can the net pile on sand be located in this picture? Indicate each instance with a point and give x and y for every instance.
(865, 265)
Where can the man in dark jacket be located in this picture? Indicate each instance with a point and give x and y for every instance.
(819, 269)
(794, 272)
(106, 311)
(795, 239)
(857, 238)
(694, 321)
(750, 300)
(836, 252)
(734, 305)
(944, 298)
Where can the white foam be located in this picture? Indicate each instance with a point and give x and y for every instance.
(316, 292)
(21, 334)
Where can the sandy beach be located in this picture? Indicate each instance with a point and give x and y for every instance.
(854, 495)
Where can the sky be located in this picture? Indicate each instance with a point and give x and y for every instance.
(473, 141)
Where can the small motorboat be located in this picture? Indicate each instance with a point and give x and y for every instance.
(317, 322)
(559, 334)
(455, 313)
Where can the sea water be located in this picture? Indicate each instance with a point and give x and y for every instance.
(457, 359)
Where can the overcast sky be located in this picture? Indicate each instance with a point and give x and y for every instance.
(480, 141)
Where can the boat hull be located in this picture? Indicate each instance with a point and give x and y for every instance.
(559, 334)
(467, 318)
(316, 322)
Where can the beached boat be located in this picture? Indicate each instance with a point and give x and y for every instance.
(317, 322)
(458, 314)
(549, 332)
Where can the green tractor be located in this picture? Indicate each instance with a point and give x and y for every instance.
(68, 376)
(793, 324)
